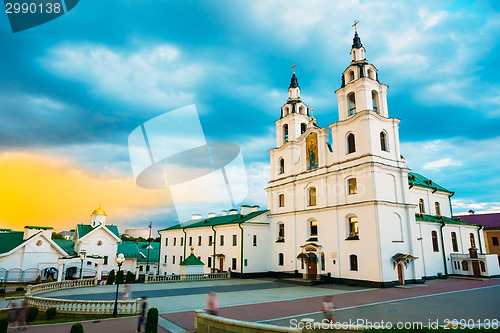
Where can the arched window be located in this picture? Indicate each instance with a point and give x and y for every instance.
(435, 244)
(351, 100)
(282, 166)
(353, 227)
(281, 199)
(421, 206)
(454, 241)
(353, 187)
(351, 74)
(472, 240)
(351, 143)
(465, 265)
(353, 260)
(313, 228)
(438, 208)
(375, 102)
(370, 74)
(312, 196)
(285, 133)
(281, 232)
(303, 128)
(383, 141)
(483, 266)
(302, 110)
(281, 259)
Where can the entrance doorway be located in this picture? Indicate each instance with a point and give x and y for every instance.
(400, 274)
(312, 268)
(221, 264)
(475, 269)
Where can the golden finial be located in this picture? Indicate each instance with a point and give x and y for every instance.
(312, 115)
(355, 26)
(99, 204)
(293, 67)
(192, 250)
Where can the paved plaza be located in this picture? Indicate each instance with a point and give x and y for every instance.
(266, 301)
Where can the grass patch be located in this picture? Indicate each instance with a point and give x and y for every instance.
(64, 318)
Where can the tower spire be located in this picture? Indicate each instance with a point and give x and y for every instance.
(293, 81)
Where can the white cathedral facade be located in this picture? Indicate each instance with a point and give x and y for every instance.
(346, 210)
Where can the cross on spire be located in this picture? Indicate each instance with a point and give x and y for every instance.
(355, 26)
(312, 115)
(293, 68)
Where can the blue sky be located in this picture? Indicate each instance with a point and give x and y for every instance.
(73, 89)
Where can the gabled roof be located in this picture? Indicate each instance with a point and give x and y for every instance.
(218, 220)
(67, 245)
(490, 221)
(83, 229)
(36, 227)
(192, 260)
(415, 179)
(440, 219)
(129, 249)
(10, 240)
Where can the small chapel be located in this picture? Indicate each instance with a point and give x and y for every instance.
(341, 203)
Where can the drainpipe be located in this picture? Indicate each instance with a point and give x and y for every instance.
(444, 254)
(185, 241)
(479, 238)
(449, 199)
(213, 263)
(241, 261)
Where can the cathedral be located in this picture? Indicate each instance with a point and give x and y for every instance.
(341, 204)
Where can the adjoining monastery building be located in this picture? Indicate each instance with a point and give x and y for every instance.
(347, 209)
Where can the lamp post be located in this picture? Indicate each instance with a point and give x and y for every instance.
(119, 260)
(149, 247)
(1, 283)
(83, 255)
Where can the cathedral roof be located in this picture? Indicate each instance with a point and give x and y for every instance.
(293, 81)
(440, 219)
(415, 179)
(218, 220)
(356, 42)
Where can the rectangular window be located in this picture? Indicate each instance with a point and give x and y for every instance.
(235, 240)
(199, 240)
(234, 264)
(245, 262)
(353, 188)
(182, 241)
(190, 241)
(354, 262)
(209, 240)
(314, 228)
(105, 260)
(173, 259)
(281, 200)
(166, 241)
(221, 240)
(353, 226)
(435, 244)
(209, 262)
(140, 268)
(421, 206)
(254, 240)
(175, 240)
(165, 258)
(438, 208)
(147, 269)
(494, 240)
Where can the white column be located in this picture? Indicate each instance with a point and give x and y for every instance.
(99, 271)
(136, 272)
(60, 271)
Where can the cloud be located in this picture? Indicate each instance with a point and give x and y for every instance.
(440, 164)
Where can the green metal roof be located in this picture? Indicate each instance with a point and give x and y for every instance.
(83, 229)
(415, 179)
(440, 219)
(10, 240)
(154, 253)
(192, 260)
(218, 220)
(67, 245)
(36, 227)
(129, 249)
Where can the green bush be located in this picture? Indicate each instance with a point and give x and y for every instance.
(38, 279)
(119, 277)
(130, 278)
(76, 328)
(4, 324)
(50, 279)
(152, 321)
(32, 313)
(111, 277)
(2, 291)
(51, 313)
(19, 289)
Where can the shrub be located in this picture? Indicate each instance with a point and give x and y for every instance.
(119, 277)
(2, 291)
(130, 278)
(76, 328)
(19, 289)
(152, 321)
(50, 279)
(51, 313)
(38, 279)
(111, 277)
(4, 324)
(32, 313)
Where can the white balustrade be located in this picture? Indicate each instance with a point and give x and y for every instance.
(53, 286)
(130, 307)
(186, 277)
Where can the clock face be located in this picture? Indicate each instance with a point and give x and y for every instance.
(99, 243)
(38, 242)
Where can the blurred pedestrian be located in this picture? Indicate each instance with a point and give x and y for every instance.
(328, 309)
(23, 314)
(125, 295)
(142, 314)
(12, 315)
(212, 304)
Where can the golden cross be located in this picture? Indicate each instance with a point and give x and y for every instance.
(312, 115)
(355, 26)
(293, 67)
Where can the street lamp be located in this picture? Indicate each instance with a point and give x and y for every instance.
(1, 283)
(119, 260)
(83, 255)
(149, 247)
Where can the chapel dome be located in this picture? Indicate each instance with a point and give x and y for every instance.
(99, 211)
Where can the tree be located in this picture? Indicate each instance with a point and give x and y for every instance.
(57, 236)
(119, 277)
(111, 277)
(76, 328)
(130, 278)
(152, 321)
